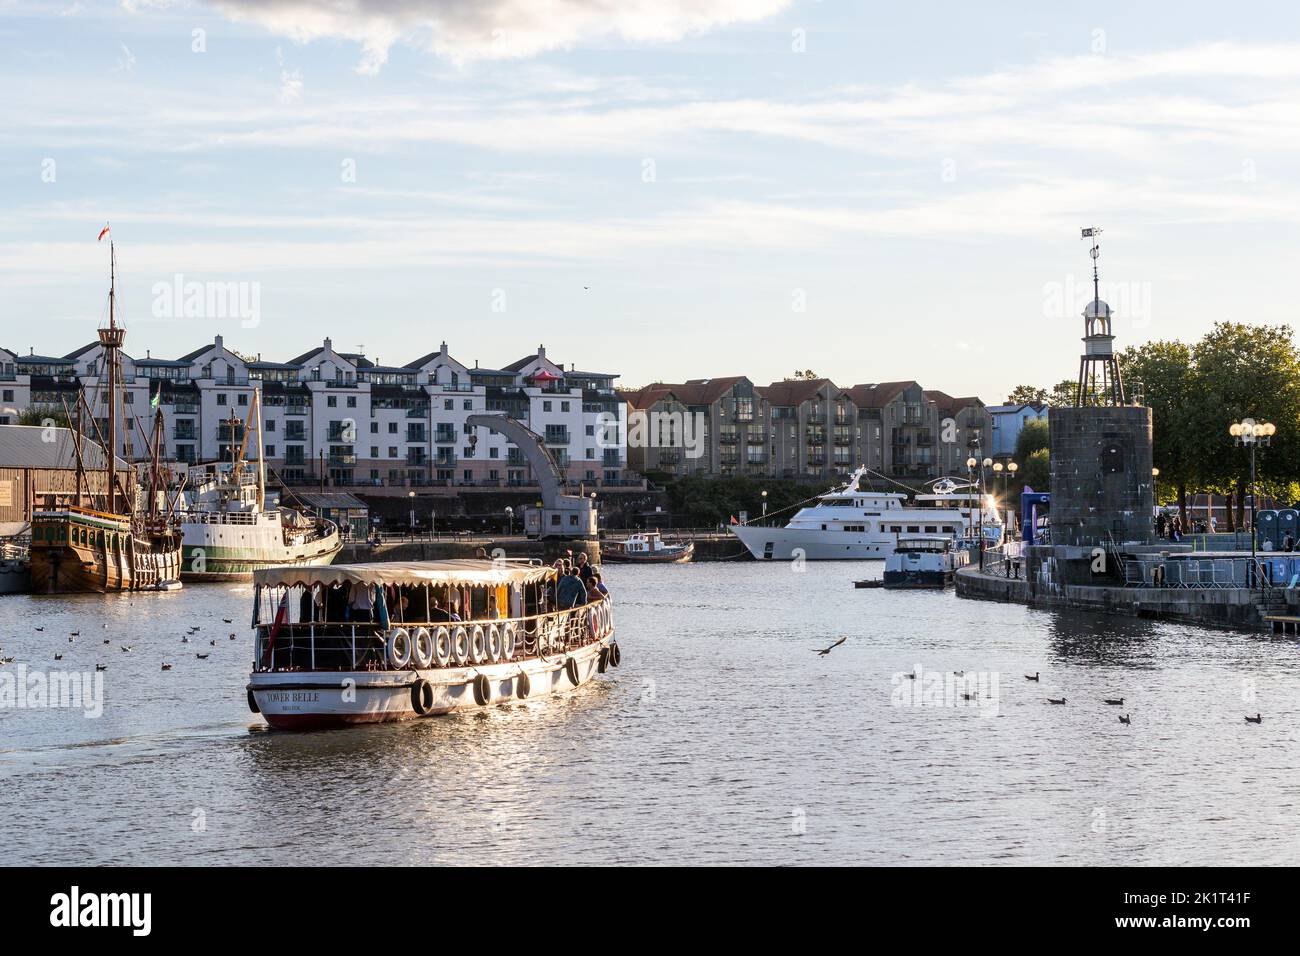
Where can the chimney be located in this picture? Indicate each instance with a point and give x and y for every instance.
(220, 342)
(541, 351)
(329, 345)
(442, 349)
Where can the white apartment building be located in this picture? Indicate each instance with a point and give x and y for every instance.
(340, 415)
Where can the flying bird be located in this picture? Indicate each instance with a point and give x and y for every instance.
(824, 651)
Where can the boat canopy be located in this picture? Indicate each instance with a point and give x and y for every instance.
(461, 571)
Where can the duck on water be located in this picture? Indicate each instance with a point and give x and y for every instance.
(347, 644)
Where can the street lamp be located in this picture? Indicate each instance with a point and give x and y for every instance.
(986, 463)
(1252, 434)
(1012, 468)
(764, 502)
(510, 520)
(970, 472)
(410, 496)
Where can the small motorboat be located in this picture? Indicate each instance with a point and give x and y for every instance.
(645, 548)
(924, 563)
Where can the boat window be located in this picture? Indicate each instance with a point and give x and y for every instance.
(913, 528)
(931, 529)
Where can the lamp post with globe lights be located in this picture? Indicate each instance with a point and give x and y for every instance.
(1012, 468)
(1252, 434)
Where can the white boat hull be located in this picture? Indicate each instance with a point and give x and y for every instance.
(788, 544)
(308, 700)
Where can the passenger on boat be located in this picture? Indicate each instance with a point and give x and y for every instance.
(593, 589)
(583, 569)
(363, 603)
(600, 582)
(570, 592)
(439, 613)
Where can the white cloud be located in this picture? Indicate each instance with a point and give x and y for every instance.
(490, 29)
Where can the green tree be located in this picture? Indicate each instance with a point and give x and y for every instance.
(1164, 374)
(1034, 436)
(42, 414)
(1244, 371)
(1027, 395)
(1063, 393)
(1035, 471)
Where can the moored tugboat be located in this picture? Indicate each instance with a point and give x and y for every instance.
(349, 644)
(924, 563)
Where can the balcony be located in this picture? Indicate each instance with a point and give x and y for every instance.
(669, 456)
(816, 438)
(843, 440)
(185, 434)
(295, 409)
(185, 409)
(342, 459)
(556, 435)
(419, 411)
(445, 436)
(728, 439)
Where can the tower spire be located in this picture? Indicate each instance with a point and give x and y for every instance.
(1099, 376)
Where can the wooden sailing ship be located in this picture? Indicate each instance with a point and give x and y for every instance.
(109, 544)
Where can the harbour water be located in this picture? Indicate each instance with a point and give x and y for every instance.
(722, 739)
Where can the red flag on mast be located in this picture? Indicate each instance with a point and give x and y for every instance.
(102, 233)
(281, 619)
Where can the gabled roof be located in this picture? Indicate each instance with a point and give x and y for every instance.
(794, 392)
(878, 395)
(78, 353)
(947, 403)
(42, 360)
(191, 356)
(306, 357)
(647, 395)
(523, 362)
(27, 446)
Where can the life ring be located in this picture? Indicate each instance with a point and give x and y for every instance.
(593, 622)
(604, 619)
(494, 643)
(460, 646)
(609, 612)
(252, 702)
(523, 686)
(422, 697)
(508, 641)
(399, 648)
(615, 655)
(603, 664)
(477, 645)
(422, 649)
(571, 669)
(482, 690)
(442, 647)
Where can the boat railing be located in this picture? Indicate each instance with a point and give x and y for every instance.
(362, 645)
(1005, 559)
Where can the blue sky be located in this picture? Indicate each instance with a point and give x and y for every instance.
(871, 191)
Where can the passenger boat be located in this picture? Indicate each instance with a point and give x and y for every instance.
(228, 531)
(647, 548)
(113, 544)
(924, 563)
(318, 661)
(15, 566)
(846, 523)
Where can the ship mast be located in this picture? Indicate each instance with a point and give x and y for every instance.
(111, 340)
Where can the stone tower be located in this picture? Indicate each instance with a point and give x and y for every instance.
(1101, 481)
